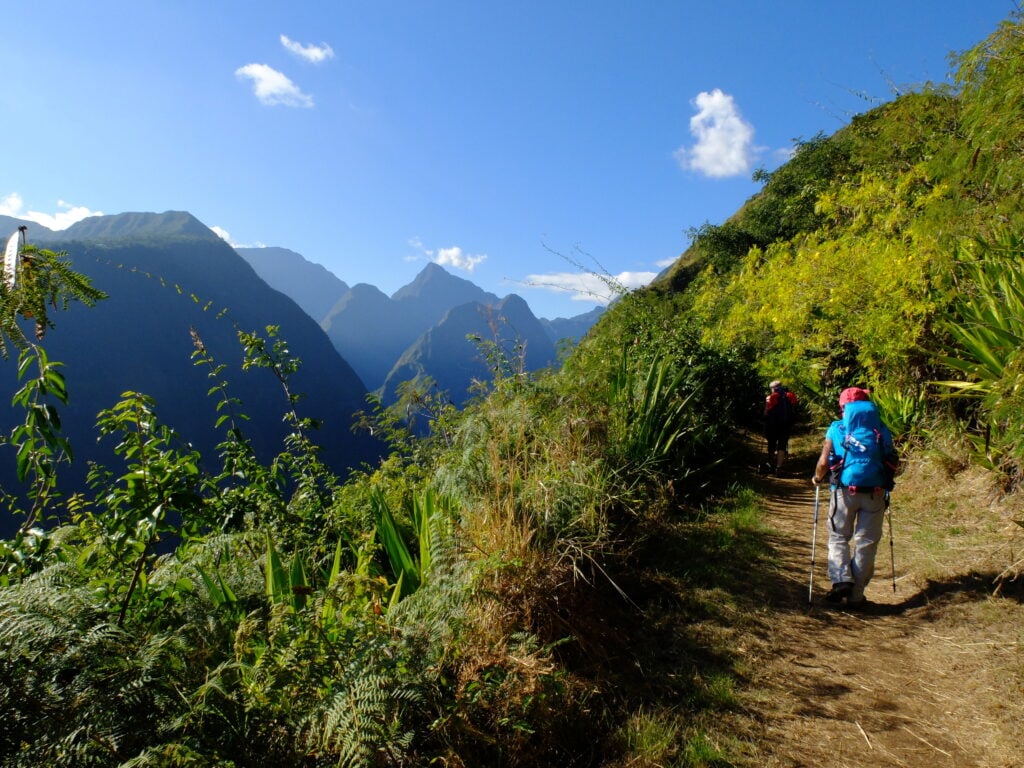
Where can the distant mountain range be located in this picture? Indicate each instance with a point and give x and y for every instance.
(453, 353)
(167, 273)
(425, 329)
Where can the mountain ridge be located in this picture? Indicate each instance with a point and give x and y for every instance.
(312, 286)
(169, 284)
(454, 352)
(368, 329)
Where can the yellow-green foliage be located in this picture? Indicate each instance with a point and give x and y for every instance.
(869, 289)
(861, 293)
(850, 300)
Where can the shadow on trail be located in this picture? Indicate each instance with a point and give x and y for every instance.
(693, 585)
(789, 505)
(965, 587)
(670, 620)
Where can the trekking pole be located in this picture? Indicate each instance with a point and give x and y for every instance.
(814, 539)
(892, 550)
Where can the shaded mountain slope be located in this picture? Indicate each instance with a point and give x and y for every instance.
(139, 340)
(571, 328)
(453, 353)
(372, 330)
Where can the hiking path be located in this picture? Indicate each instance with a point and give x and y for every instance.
(928, 675)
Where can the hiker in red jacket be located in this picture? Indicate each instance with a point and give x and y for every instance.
(779, 415)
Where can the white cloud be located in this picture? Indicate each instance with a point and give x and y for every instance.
(448, 257)
(662, 263)
(454, 257)
(588, 286)
(272, 87)
(12, 205)
(724, 144)
(224, 235)
(316, 54)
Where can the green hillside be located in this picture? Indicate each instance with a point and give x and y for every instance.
(573, 569)
(886, 254)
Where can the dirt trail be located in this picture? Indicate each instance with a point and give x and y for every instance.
(914, 681)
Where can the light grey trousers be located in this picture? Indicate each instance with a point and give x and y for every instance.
(855, 524)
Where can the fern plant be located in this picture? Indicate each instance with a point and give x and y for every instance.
(79, 690)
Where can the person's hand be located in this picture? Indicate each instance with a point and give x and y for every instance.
(815, 480)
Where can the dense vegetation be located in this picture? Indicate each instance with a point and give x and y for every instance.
(461, 603)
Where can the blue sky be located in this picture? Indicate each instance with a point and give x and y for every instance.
(522, 145)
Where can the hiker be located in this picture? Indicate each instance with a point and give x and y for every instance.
(779, 414)
(859, 457)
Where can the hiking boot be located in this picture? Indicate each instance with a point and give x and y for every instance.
(839, 592)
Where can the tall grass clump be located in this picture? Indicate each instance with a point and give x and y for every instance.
(670, 402)
(985, 327)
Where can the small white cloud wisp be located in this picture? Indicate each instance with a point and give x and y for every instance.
(224, 235)
(273, 88)
(315, 54)
(724, 140)
(12, 204)
(449, 257)
(588, 286)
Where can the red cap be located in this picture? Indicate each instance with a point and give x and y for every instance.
(850, 394)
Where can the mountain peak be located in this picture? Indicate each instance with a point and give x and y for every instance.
(136, 226)
(436, 285)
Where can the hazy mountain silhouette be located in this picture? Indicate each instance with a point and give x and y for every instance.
(434, 291)
(167, 273)
(572, 328)
(454, 352)
(312, 286)
(382, 338)
(372, 331)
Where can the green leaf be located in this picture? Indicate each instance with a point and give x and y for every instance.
(298, 586)
(402, 563)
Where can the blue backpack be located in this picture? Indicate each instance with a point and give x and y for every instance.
(864, 456)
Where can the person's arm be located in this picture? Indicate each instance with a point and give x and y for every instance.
(821, 469)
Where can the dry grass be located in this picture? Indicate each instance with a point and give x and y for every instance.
(960, 521)
(714, 658)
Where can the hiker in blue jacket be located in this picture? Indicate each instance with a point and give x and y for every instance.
(859, 456)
